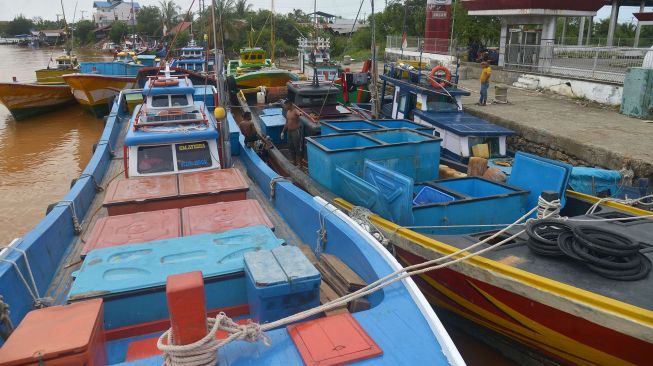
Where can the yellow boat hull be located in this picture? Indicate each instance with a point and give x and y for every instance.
(26, 100)
(52, 76)
(96, 92)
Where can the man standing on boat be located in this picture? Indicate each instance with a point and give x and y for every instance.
(485, 82)
(294, 133)
(248, 129)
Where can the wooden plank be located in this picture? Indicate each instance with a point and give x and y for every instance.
(328, 294)
(345, 275)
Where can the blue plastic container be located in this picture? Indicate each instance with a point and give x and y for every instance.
(478, 202)
(326, 153)
(409, 152)
(403, 123)
(330, 127)
(280, 282)
(131, 278)
(429, 195)
(271, 123)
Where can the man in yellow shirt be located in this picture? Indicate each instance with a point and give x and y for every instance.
(485, 82)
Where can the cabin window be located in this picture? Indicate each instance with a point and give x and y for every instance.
(178, 100)
(159, 101)
(154, 159)
(193, 155)
(493, 144)
(441, 103)
(245, 57)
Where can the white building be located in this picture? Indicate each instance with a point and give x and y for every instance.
(107, 12)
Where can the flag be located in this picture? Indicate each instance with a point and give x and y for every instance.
(404, 41)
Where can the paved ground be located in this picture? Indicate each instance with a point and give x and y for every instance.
(600, 136)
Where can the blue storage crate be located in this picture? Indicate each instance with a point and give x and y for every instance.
(478, 202)
(326, 153)
(205, 94)
(271, 123)
(403, 123)
(280, 282)
(428, 195)
(330, 127)
(131, 278)
(409, 152)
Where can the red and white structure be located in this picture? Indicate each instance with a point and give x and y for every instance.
(438, 26)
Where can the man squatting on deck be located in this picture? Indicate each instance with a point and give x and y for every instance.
(294, 133)
(248, 129)
(485, 82)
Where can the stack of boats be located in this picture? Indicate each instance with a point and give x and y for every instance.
(176, 236)
(573, 288)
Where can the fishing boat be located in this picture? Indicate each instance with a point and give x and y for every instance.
(126, 57)
(193, 58)
(253, 69)
(98, 83)
(125, 269)
(521, 291)
(49, 92)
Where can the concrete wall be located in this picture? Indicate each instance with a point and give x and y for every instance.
(594, 91)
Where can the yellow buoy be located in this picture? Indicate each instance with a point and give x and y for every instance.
(219, 113)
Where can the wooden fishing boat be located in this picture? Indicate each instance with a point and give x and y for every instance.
(27, 100)
(48, 92)
(175, 204)
(253, 69)
(96, 92)
(541, 308)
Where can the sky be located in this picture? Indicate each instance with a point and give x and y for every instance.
(47, 9)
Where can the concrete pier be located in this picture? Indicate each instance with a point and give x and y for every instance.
(571, 130)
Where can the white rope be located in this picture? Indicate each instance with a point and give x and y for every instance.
(548, 208)
(39, 302)
(625, 201)
(362, 217)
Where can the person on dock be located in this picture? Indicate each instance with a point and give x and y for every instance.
(485, 82)
(294, 133)
(248, 129)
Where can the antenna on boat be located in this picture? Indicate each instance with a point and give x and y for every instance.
(375, 70)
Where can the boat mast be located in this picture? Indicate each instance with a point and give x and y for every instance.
(374, 90)
(272, 33)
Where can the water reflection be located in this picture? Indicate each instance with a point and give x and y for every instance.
(41, 155)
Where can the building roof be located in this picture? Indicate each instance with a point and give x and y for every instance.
(344, 26)
(113, 3)
(525, 7)
(179, 27)
(322, 14)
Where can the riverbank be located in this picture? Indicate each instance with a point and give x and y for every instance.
(571, 130)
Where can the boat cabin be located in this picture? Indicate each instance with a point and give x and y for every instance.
(170, 132)
(251, 59)
(192, 58)
(415, 97)
(126, 57)
(66, 61)
(314, 57)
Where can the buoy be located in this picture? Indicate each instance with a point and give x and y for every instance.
(435, 83)
(219, 113)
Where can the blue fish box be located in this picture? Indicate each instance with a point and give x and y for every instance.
(205, 94)
(428, 195)
(331, 127)
(132, 278)
(280, 282)
(403, 123)
(272, 122)
(476, 201)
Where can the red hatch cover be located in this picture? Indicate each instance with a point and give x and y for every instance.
(141, 189)
(333, 340)
(211, 182)
(133, 228)
(223, 216)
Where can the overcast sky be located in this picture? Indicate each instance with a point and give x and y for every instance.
(48, 9)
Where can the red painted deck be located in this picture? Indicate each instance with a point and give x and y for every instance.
(223, 216)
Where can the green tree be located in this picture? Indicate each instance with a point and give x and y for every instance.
(169, 13)
(20, 25)
(242, 8)
(118, 31)
(84, 31)
(469, 28)
(182, 39)
(148, 20)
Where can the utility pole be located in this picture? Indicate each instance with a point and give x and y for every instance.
(83, 11)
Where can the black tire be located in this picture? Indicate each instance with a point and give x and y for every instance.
(50, 208)
(105, 119)
(72, 183)
(94, 148)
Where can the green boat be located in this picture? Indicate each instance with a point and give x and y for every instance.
(253, 69)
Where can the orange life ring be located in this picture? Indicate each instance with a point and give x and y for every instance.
(172, 82)
(166, 82)
(170, 112)
(435, 83)
(159, 82)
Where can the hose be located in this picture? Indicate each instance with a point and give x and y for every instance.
(605, 252)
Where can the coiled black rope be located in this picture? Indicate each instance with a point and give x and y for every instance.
(608, 253)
